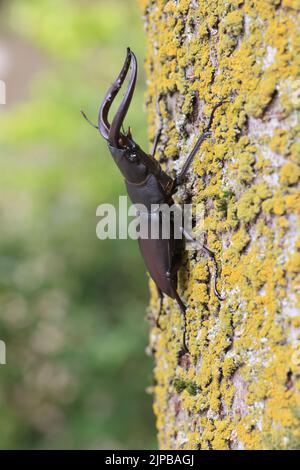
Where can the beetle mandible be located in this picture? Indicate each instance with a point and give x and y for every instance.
(147, 184)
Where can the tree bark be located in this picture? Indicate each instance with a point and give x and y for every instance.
(239, 387)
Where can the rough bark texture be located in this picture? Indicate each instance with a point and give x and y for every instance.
(239, 388)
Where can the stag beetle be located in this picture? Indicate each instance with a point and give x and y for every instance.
(148, 184)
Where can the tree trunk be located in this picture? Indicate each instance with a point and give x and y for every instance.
(239, 387)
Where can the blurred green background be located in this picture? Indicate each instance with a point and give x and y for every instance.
(72, 307)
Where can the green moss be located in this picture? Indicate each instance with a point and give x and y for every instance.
(179, 385)
(192, 388)
(223, 200)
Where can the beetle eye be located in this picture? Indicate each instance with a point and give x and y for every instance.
(132, 157)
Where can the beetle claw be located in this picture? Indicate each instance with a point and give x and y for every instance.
(112, 132)
(103, 124)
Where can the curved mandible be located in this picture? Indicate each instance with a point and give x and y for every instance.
(103, 124)
(114, 132)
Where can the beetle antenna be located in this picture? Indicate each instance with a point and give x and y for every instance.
(87, 119)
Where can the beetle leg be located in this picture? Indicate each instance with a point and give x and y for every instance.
(182, 307)
(170, 276)
(161, 299)
(216, 273)
(155, 143)
(158, 134)
(182, 175)
(213, 258)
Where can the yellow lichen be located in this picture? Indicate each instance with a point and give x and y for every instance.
(261, 97)
(294, 4)
(289, 173)
(247, 53)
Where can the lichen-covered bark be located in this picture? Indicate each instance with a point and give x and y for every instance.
(239, 388)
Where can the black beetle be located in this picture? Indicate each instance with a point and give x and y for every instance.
(148, 184)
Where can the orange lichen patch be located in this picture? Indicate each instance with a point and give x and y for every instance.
(240, 388)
